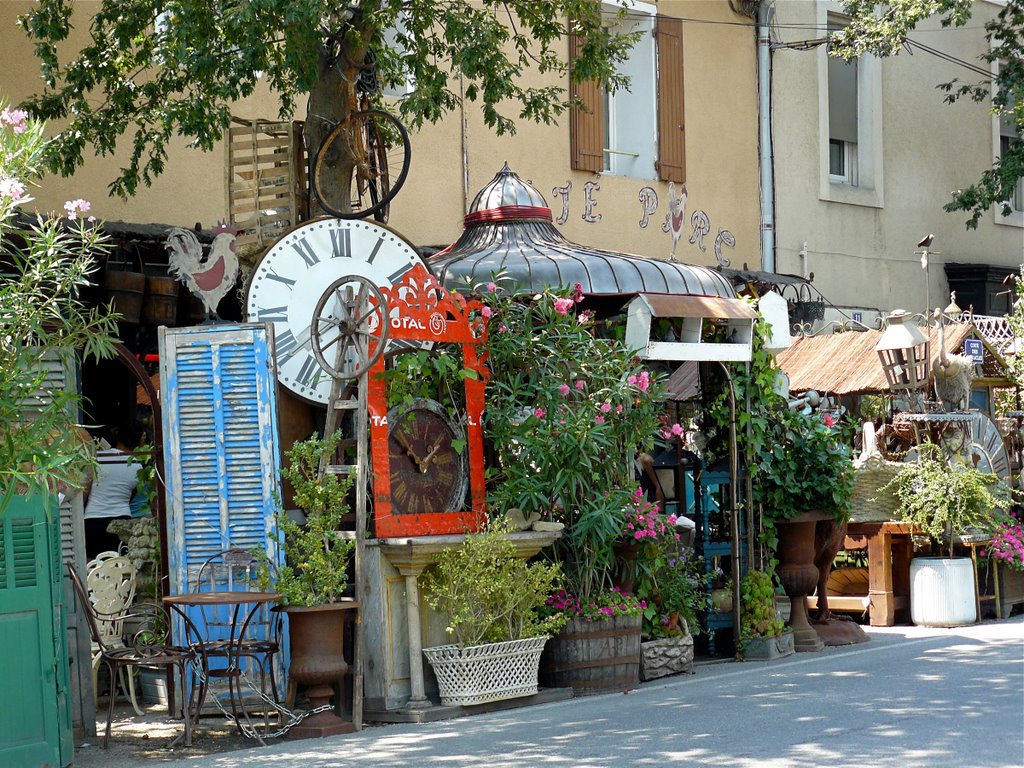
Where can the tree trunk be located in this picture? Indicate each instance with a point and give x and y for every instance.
(331, 101)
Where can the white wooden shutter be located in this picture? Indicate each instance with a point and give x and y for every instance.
(220, 443)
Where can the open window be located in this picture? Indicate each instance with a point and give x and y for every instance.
(638, 131)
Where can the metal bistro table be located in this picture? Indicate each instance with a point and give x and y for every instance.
(230, 648)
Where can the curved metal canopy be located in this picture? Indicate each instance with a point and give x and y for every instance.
(509, 229)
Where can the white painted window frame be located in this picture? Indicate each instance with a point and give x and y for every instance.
(631, 141)
(1015, 219)
(868, 188)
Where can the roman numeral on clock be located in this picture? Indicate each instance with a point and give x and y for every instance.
(341, 243)
(309, 373)
(287, 345)
(272, 314)
(305, 250)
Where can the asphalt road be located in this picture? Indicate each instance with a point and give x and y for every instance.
(910, 698)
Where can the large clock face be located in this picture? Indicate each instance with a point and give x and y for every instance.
(428, 467)
(293, 275)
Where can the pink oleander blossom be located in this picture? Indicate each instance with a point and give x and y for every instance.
(15, 118)
(539, 413)
(492, 287)
(75, 207)
(563, 389)
(606, 407)
(486, 311)
(562, 306)
(580, 384)
(12, 188)
(599, 419)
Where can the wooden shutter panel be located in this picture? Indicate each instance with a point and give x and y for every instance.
(586, 128)
(220, 444)
(671, 123)
(60, 374)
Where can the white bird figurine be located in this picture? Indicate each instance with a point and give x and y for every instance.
(953, 375)
(208, 276)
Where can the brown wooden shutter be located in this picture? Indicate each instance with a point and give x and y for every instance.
(671, 130)
(586, 128)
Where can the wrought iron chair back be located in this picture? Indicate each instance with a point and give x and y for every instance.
(148, 648)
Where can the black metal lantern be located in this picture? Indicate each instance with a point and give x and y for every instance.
(903, 351)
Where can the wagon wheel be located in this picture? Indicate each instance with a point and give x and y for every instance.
(350, 327)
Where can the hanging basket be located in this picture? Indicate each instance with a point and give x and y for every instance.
(477, 674)
(870, 504)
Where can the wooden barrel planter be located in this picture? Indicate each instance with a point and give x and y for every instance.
(161, 305)
(126, 289)
(594, 656)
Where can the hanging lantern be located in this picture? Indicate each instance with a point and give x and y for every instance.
(903, 350)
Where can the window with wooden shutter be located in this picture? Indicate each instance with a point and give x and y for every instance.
(586, 126)
(671, 113)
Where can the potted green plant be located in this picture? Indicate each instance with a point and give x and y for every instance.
(564, 403)
(763, 634)
(313, 578)
(943, 498)
(491, 599)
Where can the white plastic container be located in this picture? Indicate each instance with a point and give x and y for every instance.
(942, 591)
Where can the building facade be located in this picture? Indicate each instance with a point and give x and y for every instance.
(866, 155)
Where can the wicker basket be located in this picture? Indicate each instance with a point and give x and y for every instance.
(870, 503)
(477, 674)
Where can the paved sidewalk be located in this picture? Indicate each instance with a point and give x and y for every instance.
(910, 698)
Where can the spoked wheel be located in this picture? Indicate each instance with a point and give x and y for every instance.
(350, 327)
(376, 146)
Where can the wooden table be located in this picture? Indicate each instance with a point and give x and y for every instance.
(230, 648)
(889, 553)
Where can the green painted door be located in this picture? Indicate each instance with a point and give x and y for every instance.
(34, 707)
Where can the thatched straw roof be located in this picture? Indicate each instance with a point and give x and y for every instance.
(847, 364)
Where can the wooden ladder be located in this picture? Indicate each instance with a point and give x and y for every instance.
(348, 396)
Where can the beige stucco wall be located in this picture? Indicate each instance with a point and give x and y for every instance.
(453, 159)
(866, 255)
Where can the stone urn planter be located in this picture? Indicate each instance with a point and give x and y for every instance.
(477, 674)
(799, 574)
(317, 636)
(666, 656)
(594, 656)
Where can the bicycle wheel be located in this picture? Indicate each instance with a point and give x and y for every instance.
(375, 146)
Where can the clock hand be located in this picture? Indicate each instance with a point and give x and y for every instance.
(432, 452)
(404, 441)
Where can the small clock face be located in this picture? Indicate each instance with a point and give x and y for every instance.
(292, 276)
(428, 473)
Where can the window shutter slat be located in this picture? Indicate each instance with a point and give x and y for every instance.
(586, 128)
(671, 112)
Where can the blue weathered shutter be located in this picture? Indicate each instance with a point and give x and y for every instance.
(220, 443)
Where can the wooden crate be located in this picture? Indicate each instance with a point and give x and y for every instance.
(266, 181)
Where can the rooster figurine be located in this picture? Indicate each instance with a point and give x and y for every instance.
(208, 276)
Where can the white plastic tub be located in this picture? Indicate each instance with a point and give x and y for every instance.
(942, 591)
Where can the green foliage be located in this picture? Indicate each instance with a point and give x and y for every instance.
(1015, 363)
(151, 70)
(671, 584)
(796, 462)
(43, 265)
(945, 498)
(881, 28)
(758, 615)
(435, 374)
(566, 412)
(317, 557)
(487, 593)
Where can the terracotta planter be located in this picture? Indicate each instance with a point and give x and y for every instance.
(317, 636)
(799, 574)
(1011, 589)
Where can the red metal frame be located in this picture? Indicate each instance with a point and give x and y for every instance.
(421, 309)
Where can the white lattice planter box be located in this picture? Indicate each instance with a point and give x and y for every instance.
(477, 674)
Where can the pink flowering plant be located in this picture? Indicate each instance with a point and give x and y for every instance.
(566, 410)
(666, 575)
(606, 604)
(44, 263)
(1007, 545)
